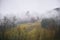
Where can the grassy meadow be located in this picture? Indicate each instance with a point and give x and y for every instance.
(28, 31)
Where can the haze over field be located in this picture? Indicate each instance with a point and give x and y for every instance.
(29, 19)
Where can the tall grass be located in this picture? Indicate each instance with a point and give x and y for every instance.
(21, 32)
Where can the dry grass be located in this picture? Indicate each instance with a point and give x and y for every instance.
(30, 31)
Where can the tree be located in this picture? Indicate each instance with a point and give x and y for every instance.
(49, 24)
(14, 21)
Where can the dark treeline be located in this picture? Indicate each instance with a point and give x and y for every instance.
(52, 24)
(5, 24)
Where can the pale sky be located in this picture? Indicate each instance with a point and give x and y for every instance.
(18, 7)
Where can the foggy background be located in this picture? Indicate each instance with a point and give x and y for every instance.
(20, 7)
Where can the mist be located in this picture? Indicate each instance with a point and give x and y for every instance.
(29, 19)
(20, 7)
